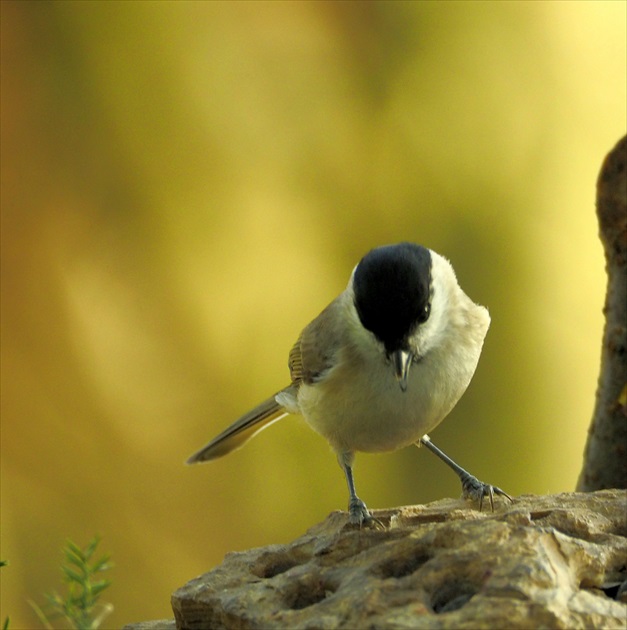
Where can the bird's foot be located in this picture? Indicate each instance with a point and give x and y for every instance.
(475, 490)
(359, 516)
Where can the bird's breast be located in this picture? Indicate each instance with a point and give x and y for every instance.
(360, 407)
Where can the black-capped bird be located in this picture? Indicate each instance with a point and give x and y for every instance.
(381, 366)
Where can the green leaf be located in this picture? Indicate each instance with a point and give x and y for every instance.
(91, 546)
(74, 549)
(74, 558)
(40, 615)
(102, 565)
(98, 587)
(73, 576)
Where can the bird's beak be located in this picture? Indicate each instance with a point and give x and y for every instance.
(401, 360)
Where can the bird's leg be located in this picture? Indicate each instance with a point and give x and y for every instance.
(358, 513)
(472, 488)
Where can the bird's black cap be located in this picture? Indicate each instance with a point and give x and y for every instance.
(392, 287)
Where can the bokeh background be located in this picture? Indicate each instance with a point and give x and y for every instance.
(186, 184)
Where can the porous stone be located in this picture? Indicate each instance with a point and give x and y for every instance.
(555, 561)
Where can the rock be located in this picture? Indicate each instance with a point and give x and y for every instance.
(605, 458)
(552, 562)
(160, 624)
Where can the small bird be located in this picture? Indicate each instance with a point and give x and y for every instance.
(380, 367)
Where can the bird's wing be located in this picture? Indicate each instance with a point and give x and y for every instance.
(315, 352)
(234, 436)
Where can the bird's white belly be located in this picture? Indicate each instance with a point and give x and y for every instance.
(366, 410)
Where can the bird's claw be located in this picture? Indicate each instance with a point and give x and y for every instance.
(475, 490)
(359, 516)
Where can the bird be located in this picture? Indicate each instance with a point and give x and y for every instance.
(380, 367)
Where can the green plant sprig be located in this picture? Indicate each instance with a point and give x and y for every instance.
(81, 573)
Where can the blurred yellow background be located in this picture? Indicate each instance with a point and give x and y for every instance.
(186, 184)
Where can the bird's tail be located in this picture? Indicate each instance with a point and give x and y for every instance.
(234, 436)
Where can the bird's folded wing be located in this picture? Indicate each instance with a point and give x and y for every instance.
(316, 349)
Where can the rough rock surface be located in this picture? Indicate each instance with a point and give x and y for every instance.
(542, 562)
(159, 624)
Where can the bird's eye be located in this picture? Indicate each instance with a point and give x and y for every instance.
(424, 316)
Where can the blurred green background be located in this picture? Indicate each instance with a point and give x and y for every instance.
(186, 184)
